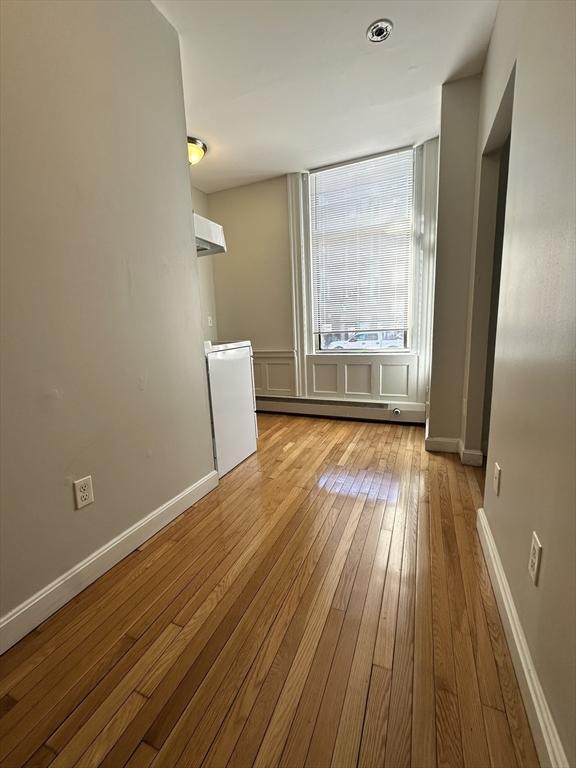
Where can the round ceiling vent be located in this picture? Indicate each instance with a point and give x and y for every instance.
(379, 30)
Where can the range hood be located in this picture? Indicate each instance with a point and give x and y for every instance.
(209, 236)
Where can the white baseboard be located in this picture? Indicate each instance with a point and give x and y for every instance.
(444, 444)
(470, 456)
(454, 445)
(33, 611)
(546, 738)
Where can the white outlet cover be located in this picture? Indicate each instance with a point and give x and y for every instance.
(496, 478)
(535, 557)
(83, 491)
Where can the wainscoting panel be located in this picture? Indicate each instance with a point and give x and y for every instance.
(259, 369)
(358, 378)
(325, 378)
(279, 376)
(394, 380)
(376, 381)
(392, 377)
(275, 372)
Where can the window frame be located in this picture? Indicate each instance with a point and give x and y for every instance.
(372, 350)
(333, 376)
(312, 340)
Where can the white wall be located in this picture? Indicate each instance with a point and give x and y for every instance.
(102, 363)
(456, 186)
(533, 424)
(206, 274)
(253, 278)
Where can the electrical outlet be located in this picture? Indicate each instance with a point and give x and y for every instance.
(535, 557)
(496, 478)
(83, 492)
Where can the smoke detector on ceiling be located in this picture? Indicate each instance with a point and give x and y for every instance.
(379, 30)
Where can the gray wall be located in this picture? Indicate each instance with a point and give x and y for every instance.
(533, 423)
(253, 279)
(206, 274)
(102, 363)
(456, 186)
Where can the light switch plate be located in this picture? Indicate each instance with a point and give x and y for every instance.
(496, 478)
(535, 556)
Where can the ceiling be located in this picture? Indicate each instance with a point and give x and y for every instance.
(275, 86)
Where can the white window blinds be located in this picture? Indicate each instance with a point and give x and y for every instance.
(361, 244)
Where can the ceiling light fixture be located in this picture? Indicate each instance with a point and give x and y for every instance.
(196, 150)
(379, 30)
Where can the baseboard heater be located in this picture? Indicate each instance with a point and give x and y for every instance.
(349, 409)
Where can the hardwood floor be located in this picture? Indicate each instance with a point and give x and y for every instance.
(327, 606)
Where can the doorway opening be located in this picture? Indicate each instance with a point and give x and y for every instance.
(485, 282)
(504, 158)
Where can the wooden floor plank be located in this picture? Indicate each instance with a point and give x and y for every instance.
(260, 715)
(373, 747)
(142, 757)
(359, 559)
(385, 639)
(192, 736)
(444, 673)
(489, 684)
(328, 718)
(285, 569)
(423, 716)
(448, 736)
(185, 676)
(499, 739)
(399, 739)
(327, 605)
(81, 740)
(474, 744)
(52, 717)
(93, 756)
(349, 732)
(298, 741)
(245, 735)
(274, 739)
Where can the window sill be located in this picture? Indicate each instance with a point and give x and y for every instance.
(360, 352)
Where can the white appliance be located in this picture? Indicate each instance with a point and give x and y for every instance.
(232, 401)
(209, 236)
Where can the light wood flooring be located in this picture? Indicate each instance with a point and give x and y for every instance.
(327, 606)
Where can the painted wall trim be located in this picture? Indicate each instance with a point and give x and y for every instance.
(296, 218)
(33, 611)
(444, 444)
(275, 372)
(546, 737)
(274, 352)
(470, 456)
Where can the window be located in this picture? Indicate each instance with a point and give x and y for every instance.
(361, 234)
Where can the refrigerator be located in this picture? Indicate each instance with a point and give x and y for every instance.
(232, 402)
